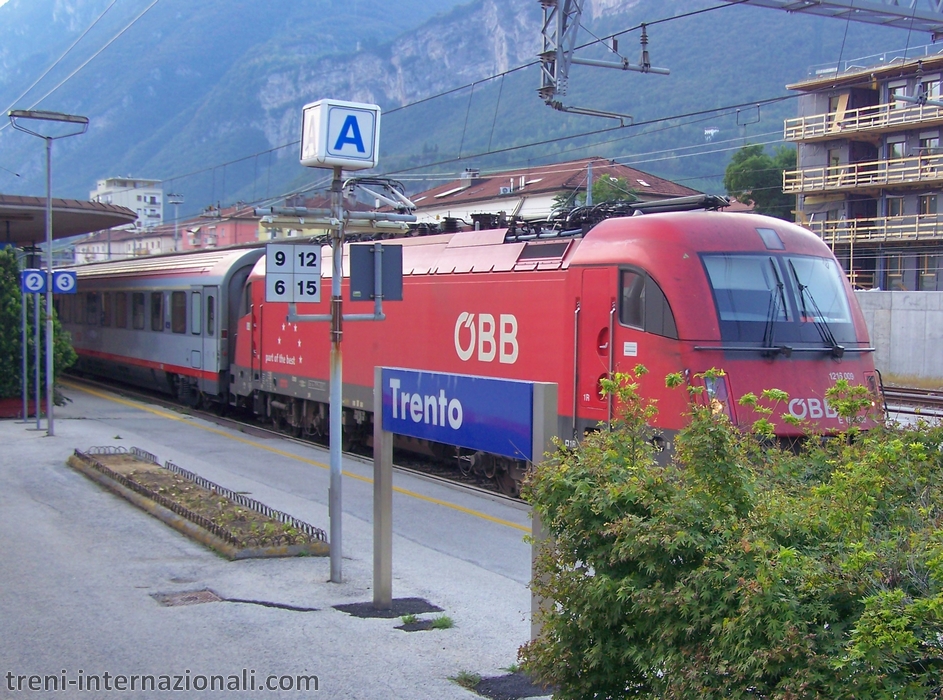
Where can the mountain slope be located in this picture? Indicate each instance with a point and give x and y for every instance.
(208, 96)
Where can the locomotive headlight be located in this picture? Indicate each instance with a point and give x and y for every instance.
(718, 395)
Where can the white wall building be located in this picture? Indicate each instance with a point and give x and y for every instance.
(144, 197)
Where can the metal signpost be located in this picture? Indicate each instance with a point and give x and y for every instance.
(78, 125)
(501, 416)
(339, 135)
(32, 282)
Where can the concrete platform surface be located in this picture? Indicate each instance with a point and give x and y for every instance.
(79, 569)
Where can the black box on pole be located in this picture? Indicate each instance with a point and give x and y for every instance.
(362, 273)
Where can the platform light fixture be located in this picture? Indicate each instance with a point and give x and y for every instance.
(75, 125)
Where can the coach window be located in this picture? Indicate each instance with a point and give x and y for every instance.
(106, 309)
(157, 311)
(121, 309)
(64, 309)
(92, 310)
(643, 305)
(137, 310)
(196, 301)
(178, 312)
(210, 314)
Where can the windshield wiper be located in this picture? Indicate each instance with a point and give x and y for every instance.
(818, 318)
(769, 332)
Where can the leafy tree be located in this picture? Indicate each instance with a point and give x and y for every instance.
(739, 570)
(605, 189)
(11, 344)
(755, 177)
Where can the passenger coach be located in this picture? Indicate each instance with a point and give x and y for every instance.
(163, 322)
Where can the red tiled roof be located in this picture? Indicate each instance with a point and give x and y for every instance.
(544, 179)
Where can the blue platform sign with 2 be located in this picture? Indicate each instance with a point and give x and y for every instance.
(479, 413)
(33, 281)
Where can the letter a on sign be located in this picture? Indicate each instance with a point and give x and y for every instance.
(340, 134)
(350, 133)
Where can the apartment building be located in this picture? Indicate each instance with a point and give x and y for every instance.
(144, 197)
(869, 177)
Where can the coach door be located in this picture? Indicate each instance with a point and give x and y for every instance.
(212, 347)
(195, 316)
(594, 324)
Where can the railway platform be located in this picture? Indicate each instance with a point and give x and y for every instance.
(83, 572)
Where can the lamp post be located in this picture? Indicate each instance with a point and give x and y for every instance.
(176, 199)
(77, 122)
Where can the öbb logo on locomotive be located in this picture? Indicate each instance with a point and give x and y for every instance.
(481, 335)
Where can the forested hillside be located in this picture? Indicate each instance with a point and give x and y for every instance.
(208, 95)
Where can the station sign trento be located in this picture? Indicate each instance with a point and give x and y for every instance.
(293, 272)
(480, 413)
(336, 133)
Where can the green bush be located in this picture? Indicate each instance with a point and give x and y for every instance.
(741, 570)
(11, 342)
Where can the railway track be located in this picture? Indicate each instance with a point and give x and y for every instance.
(914, 401)
(427, 469)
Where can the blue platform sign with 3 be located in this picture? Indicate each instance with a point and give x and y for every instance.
(64, 282)
(479, 413)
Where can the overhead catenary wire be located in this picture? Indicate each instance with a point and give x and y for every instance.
(58, 60)
(90, 58)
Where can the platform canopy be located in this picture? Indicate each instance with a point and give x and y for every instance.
(23, 219)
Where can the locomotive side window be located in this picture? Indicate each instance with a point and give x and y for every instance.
(80, 307)
(643, 305)
(91, 305)
(633, 299)
(196, 302)
(157, 311)
(178, 312)
(210, 314)
(137, 310)
(106, 309)
(121, 309)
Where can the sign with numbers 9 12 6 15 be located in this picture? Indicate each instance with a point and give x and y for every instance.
(293, 272)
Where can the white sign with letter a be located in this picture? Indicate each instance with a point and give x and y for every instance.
(336, 133)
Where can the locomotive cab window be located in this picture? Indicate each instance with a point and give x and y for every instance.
(137, 310)
(777, 299)
(178, 312)
(121, 309)
(157, 311)
(643, 305)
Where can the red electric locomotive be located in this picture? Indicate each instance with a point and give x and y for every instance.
(685, 291)
(761, 298)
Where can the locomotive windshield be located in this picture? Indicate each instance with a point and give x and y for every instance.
(777, 299)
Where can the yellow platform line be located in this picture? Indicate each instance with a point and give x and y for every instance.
(170, 415)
